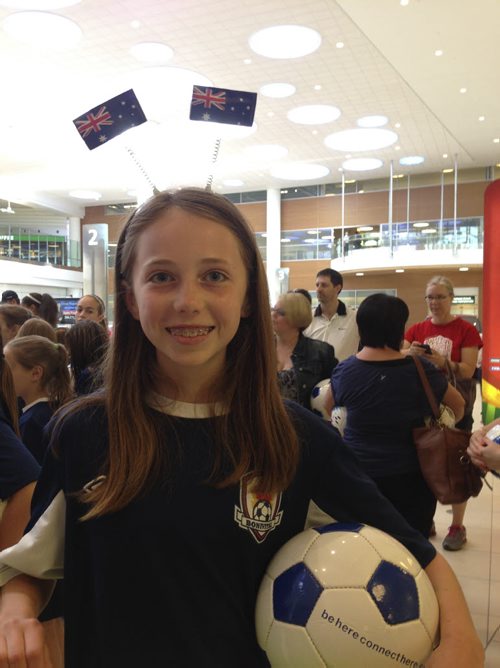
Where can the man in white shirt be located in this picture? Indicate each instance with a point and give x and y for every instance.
(332, 321)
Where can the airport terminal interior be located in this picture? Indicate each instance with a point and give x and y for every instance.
(375, 137)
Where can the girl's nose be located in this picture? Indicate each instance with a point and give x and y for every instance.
(188, 297)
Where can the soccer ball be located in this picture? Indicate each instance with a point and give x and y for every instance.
(346, 596)
(318, 395)
(339, 418)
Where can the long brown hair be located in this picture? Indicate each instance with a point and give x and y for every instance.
(254, 435)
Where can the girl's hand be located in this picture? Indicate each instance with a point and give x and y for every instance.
(22, 644)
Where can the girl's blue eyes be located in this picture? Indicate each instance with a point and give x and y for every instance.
(211, 276)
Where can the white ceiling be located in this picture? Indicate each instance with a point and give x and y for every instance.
(387, 66)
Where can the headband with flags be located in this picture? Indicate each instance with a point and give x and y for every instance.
(221, 105)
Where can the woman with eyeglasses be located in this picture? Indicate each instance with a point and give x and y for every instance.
(302, 362)
(452, 344)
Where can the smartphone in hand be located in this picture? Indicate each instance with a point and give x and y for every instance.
(426, 348)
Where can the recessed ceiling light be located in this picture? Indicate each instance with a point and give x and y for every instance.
(266, 152)
(361, 139)
(375, 121)
(277, 90)
(397, 125)
(285, 240)
(496, 140)
(85, 194)
(314, 132)
(285, 41)
(463, 90)
(400, 271)
(447, 170)
(340, 45)
(313, 114)
(360, 273)
(398, 176)
(445, 155)
(463, 269)
(298, 171)
(43, 29)
(429, 230)
(350, 181)
(404, 3)
(397, 148)
(247, 61)
(481, 118)
(151, 52)
(421, 224)
(270, 114)
(233, 183)
(438, 52)
(135, 24)
(312, 231)
(364, 228)
(318, 87)
(411, 160)
(38, 5)
(361, 164)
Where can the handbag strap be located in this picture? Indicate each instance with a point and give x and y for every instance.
(427, 387)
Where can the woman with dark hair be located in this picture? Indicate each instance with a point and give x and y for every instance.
(87, 343)
(149, 495)
(12, 317)
(385, 400)
(44, 306)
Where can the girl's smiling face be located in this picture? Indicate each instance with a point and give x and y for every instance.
(188, 291)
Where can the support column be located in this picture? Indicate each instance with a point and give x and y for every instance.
(74, 241)
(275, 275)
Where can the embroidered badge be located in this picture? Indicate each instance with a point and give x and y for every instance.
(258, 513)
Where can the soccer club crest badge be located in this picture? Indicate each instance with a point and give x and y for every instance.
(257, 513)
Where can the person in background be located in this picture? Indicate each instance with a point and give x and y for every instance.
(44, 306)
(11, 319)
(302, 362)
(384, 397)
(333, 322)
(10, 297)
(18, 470)
(87, 342)
(452, 345)
(92, 307)
(41, 379)
(484, 452)
(39, 327)
(190, 425)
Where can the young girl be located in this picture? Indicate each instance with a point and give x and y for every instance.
(41, 379)
(146, 498)
(87, 343)
(18, 469)
(44, 306)
(92, 307)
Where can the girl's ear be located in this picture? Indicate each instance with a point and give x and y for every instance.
(37, 372)
(130, 300)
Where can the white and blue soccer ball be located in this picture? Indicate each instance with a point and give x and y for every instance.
(346, 596)
(318, 396)
(339, 418)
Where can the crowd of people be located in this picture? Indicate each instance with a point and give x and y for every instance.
(198, 410)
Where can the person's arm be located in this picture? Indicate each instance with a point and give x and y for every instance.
(15, 516)
(468, 362)
(460, 645)
(22, 641)
(484, 453)
(455, 401)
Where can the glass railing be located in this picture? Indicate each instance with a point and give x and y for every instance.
(25, 244)
(329, 243)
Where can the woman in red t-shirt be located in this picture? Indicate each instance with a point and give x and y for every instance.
(452, 344)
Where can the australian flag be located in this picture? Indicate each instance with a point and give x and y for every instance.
(218, 105)
(110, 119)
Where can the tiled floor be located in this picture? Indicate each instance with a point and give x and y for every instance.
(477, 565)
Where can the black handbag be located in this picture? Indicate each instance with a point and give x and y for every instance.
(442, 454)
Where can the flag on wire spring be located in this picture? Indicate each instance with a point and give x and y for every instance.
(110, 119)
(218, 105)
